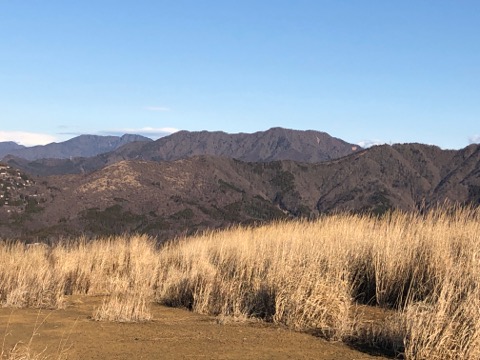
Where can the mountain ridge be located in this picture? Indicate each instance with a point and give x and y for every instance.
(270, 145)
(79, 146)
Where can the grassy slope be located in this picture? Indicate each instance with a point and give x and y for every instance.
(308, 276)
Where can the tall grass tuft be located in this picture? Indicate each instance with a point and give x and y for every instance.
(278, 273)
(131, 288)
(28, 277)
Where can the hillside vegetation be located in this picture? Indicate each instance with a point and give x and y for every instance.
(172, 198)
(314, 277)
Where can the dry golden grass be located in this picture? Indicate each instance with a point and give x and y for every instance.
(28, 278)
(282, 273)
(308, 276)
(131, 287)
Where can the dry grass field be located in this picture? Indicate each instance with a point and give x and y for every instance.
(328, 278)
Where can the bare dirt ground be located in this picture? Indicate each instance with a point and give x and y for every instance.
(173, 334)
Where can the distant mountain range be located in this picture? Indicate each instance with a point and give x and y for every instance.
(7, 147)
(274, 144)
(138, 190)
(80, 146)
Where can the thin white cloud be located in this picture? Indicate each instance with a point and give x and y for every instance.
(27, 138)
(369, 143)
(475, 139)
(150, 132)
(157, 108)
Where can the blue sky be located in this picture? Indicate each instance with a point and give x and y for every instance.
(363, 71)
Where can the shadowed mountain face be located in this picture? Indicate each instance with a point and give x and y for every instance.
(9, 146)
(80, 146)
(168, 198)
(271, 145)
(274, 144)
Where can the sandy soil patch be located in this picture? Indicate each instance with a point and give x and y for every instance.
(173, 334)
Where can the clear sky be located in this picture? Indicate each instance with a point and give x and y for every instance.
(364, 71)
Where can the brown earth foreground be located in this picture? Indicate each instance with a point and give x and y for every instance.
(173, 334)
